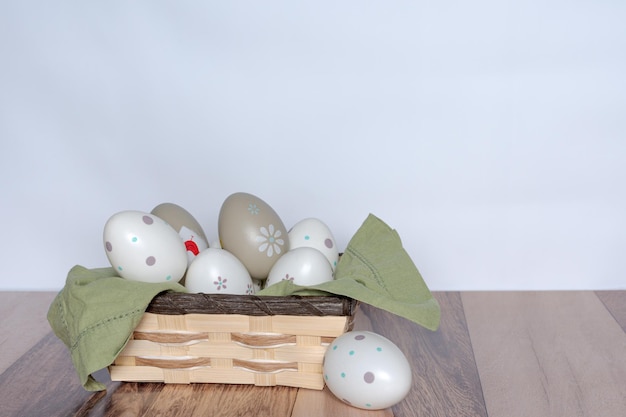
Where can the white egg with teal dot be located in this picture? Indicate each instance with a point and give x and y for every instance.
(366, 370)
(143, 247)
(314, 233)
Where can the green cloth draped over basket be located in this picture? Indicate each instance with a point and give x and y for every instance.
(97, 311)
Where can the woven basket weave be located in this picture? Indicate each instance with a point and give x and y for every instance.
(234, 339)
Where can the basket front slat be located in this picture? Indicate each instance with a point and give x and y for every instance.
(173, 363)
(215, 376)
(292, 352)
(265, 366)
(262, 340)
(170, 337)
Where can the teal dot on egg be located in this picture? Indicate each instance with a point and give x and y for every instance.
(343, 374)
(119, 268)
(307, 237)
(368, 405)
(134, 239)
(351, 353)
(379, 349)
(335, 347)
(169, 277)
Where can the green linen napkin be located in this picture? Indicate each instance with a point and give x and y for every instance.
(375, 269)
(95, 315)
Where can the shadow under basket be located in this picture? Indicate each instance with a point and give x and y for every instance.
(234, 339)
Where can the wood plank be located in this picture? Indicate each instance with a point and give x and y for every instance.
(446, 381)
(43, 383)
(128, 399)
(445, 378)
(547, 354)
(243, 400)
(154, 399)
(311, 403)
(23, 322)
(615, 302)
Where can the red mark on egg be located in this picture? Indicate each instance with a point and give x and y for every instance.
(192, 247)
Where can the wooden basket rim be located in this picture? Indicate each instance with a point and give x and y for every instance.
(176, 303)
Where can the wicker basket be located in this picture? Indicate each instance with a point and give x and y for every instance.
(265, 341)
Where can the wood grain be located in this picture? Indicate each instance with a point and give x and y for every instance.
(23, 323)
(547, 354)
(314, 403)
(445, 378)
(43, 383)
(311, 403)
(615, 302)
(152, 399)
(536, 354)
(251, 305)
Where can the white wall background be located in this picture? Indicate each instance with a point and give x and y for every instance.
(490, 134)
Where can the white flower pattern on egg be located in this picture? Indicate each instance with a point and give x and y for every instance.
(253, 209)
(270, 240)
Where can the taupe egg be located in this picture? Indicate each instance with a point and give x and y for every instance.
(252, 231)
(186, 225)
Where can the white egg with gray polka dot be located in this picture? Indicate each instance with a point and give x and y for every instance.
(366, 370)
(314, 233)
(143, 247)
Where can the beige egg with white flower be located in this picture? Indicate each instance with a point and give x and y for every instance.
(250, 229)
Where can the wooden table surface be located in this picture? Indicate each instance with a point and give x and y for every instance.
(496, 354)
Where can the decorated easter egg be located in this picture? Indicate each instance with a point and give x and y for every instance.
(144, 247)
(252, 231)
(217, 271)
(302, 266)
(314, 233)
(187, 227)
(366, 370)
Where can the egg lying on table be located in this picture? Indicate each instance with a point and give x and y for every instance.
(187, 227)
(303, 266)
(143, 247)
(252, 231)
(217, 271)
(366, 370)
(314, 233)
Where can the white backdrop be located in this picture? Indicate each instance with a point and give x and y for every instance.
(491, 135)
